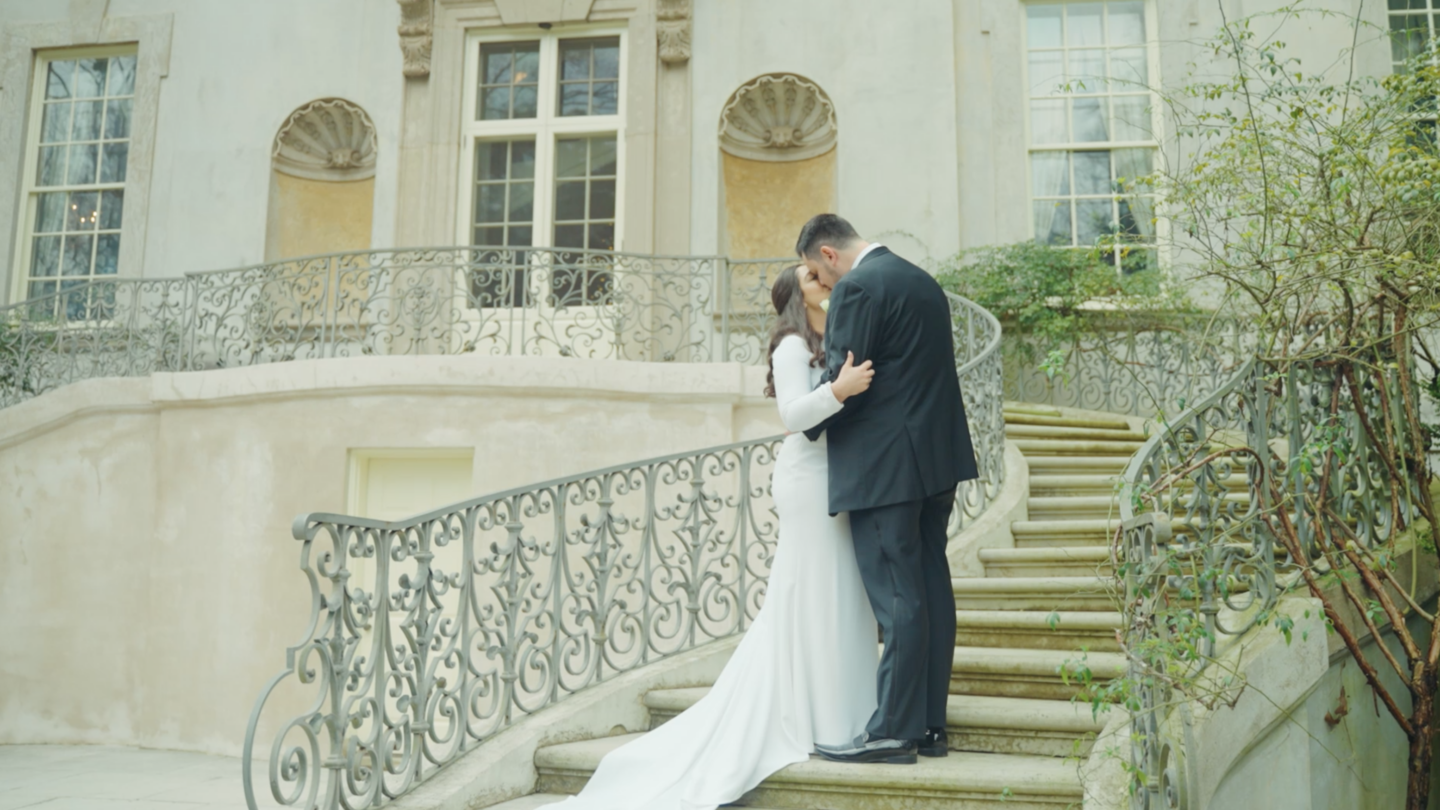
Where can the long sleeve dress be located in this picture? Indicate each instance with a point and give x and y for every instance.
(805, 671)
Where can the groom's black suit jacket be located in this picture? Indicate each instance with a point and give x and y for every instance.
(906, 438)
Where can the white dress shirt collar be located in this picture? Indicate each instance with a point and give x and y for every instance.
(864, 253)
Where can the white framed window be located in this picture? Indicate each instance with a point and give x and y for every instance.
(542, 155)
(1414, 24)
(1415, 31)
(73, 183)
(1092, 126)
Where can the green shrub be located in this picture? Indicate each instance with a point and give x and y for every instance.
(1047, 293)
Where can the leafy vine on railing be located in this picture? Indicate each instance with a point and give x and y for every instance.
(1309, 207)
(1083, 336)
(1271, 483)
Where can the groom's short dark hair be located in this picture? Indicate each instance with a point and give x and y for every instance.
(824, 230)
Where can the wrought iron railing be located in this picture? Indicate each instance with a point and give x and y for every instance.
(585, 304)
(1132, 363)
(1201, 561)
(429, 635)
(448, 300)
(981, 369)
(463, 620)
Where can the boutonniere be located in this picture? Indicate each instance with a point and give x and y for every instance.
(825, 305)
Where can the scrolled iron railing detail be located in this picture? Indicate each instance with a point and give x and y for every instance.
(1133, 363)
(96, 329)
(428, 636)
(980, 367)
(450, 300)
(447, 300)
(1200, 556)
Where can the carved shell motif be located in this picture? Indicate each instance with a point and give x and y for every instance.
(328, 139)
(778, 116)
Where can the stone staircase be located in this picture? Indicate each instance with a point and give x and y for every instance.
(1015, 735)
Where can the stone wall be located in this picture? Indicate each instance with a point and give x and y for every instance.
(1332, 747)
(149, 583)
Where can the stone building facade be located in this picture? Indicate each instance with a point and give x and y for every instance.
(148, 139)
(151, 138)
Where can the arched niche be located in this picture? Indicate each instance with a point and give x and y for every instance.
(322, 181)
(777, 142)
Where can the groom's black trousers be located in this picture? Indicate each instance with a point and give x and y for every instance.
(901, 552)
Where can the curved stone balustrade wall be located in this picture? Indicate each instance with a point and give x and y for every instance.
(410, 301)
(154, 511)
(147, 572)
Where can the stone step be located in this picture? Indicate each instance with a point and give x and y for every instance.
(1034, 593)
(1038, 629)
(1062, 561)
(1069, 507)
(1054, 486)
(1053, 728)
(1035, 674)
(664, 704)
(531, 802)
(961, 781)
(1086, 531)
(1053, 464)
(1009, 725)
(1053, 533)
(1066, 433)
(1086, 485)
(1069, 447)
(1017, 408)
(1057, 420)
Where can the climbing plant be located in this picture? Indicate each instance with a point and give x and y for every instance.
(1051, 299)
(1310, 201)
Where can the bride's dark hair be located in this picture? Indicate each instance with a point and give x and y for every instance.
(790, 319)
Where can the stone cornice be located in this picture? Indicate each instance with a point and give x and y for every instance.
(429, 375)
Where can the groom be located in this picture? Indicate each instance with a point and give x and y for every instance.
(896, 454)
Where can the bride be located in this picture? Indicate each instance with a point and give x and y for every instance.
(805, 671)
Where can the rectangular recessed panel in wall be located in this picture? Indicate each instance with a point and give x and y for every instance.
(393, 484)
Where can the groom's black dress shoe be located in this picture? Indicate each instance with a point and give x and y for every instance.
(864, 749)
(934, 743)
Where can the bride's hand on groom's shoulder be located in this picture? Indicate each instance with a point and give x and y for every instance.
(852, 379)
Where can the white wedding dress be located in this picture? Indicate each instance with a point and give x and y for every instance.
(805, 671)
